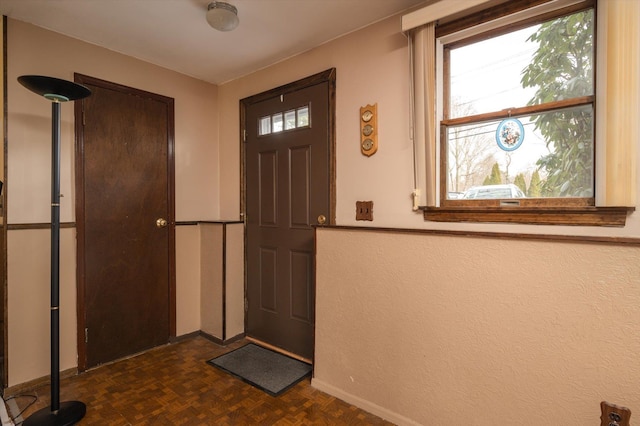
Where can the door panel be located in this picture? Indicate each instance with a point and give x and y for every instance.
(301, 296)
(299, 183)
(125, 258)
(268, 188)
(288, 185)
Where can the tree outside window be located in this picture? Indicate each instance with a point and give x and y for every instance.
(540, 76)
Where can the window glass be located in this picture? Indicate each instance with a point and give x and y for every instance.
(485, 76)
(264, 126)
(303, 116)
(483, 154)
(284, 121)
(290, 120)
(276, 119)
(519, 113)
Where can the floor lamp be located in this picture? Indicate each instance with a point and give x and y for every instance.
(56, 91)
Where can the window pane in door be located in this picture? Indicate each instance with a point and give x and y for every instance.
(303, 116)
(277, 122)
(264, 127)
(290, 120)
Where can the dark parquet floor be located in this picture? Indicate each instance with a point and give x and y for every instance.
(173, 385)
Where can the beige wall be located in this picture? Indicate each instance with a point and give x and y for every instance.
(188, 279)
(412, 327)
(28, 302)
(32, 50)
(430, 330)
(425, 329)
(235, 280)
(222, 279)
(371, 67)
(211, 258)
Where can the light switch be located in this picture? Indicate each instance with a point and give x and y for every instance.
(364, 210)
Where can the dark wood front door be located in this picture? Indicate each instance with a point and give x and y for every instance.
(288, 169)
(124, 215)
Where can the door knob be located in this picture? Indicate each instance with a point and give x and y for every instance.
(161, 223)
(321, 219)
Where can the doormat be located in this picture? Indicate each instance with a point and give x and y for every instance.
(263, 368)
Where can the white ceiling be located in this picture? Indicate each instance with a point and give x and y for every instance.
(174, 33)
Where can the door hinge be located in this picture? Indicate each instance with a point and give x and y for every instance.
(246, 305)
(244, 135)
(86, 335)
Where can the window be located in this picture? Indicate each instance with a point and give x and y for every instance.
(518, 114)
(284, 121)
(562, 129)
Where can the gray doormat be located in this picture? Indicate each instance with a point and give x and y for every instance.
(265, 369)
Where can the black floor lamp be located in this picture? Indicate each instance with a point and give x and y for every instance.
(56, 91)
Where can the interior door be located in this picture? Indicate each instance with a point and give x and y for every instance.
(124, 215)
(288, 167)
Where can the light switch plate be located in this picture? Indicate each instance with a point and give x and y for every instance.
(614, 415)
(364, 210)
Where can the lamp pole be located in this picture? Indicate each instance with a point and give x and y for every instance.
(57, 91)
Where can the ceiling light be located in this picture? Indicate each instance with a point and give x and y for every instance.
(222, 16)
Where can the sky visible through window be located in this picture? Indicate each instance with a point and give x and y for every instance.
(485, 77)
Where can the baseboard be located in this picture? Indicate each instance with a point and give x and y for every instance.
(363, 404)
(184, 337)
(219, 341)
(234, 338)
(42, 381)
(36, 383)
(212, 338)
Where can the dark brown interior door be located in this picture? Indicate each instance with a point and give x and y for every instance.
(124, 215)
(287, 189)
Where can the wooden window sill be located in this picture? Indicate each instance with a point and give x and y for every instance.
(576, 216)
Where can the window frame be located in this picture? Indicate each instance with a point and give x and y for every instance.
(564, 211)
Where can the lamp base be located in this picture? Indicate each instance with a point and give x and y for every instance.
(70, 413)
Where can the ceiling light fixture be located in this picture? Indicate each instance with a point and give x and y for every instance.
(222, 16)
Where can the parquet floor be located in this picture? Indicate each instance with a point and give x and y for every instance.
(173, 385)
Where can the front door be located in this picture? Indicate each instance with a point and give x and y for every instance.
(288, 172)
(124, 216)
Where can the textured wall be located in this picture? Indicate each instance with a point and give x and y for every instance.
(477, 331)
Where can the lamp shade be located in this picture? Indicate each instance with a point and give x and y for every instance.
(222, 16)
(53, 88)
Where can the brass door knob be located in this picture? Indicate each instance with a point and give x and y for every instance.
(161, 223)
(321, 219)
